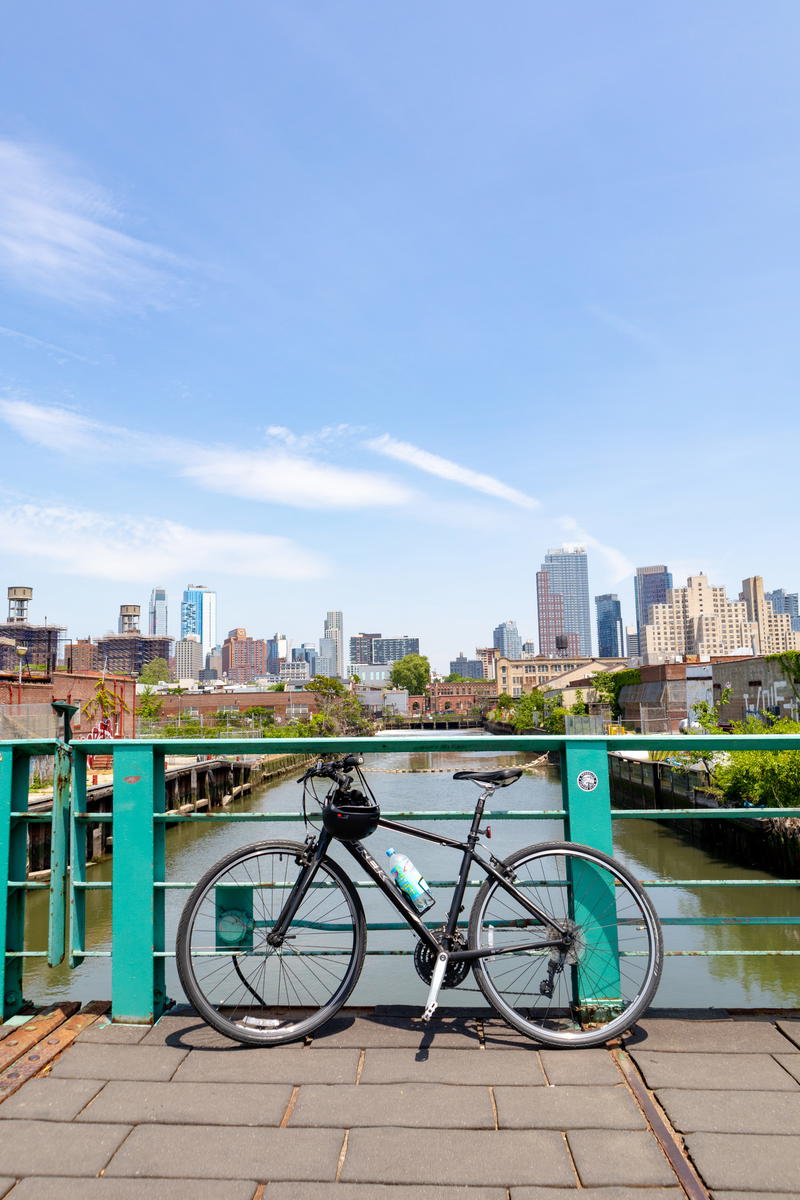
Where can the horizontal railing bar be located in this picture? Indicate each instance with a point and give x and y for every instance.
(659, 814)
(263, 747)
(32, 816)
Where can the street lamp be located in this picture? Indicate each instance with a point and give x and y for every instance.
(21, 652)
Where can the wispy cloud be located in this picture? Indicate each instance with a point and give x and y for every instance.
(619, 565)
(34, 343)
(81, 542)
(627, 328)
(58, 238)
(272, 474)
(433, 464)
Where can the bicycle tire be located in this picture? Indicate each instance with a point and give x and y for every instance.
(618, 946)
(249, 991)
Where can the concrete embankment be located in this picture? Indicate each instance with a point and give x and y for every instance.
(191, 786)
(771, 843)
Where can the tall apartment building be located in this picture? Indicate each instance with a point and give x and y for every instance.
(199, 615)
(562, 601)
(785, 602)
(506, 639)
(157, 613)
(650, 586)
(470, 668)
(334, 629)
(243, 657)
(361, 647)
(307, 654)
(189, 660)
(774, 633)
(631, 641)
(277, 652)
(391, 649)
(610, 642)
(486, 655)
(696, 619)
(326, 659)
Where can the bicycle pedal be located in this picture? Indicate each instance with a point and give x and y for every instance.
(428, 1013)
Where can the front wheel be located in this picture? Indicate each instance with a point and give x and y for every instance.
(602, 964)
(247, 989)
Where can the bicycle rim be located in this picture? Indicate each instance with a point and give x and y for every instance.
(608, 976)
(261, 994)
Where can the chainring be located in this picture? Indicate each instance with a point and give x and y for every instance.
(425, 961)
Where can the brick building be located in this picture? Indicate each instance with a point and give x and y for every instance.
(75, 688)
(462, 696)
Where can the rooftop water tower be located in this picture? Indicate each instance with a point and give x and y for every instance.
(18, 600)
(129, 615)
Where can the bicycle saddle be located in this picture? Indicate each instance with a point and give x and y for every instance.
(499, 778)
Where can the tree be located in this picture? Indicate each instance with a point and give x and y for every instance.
(340, 711)
(149, 705)
(454, 677)
(277, 687)
(412, 672)
(579, 708)
(608, 685)
(155, 671)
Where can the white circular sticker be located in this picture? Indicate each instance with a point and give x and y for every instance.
(587, 781)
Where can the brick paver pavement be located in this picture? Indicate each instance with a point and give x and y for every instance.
(377, 1107)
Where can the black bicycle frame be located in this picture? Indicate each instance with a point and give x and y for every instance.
(395, 897)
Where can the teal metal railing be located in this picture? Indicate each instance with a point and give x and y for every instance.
(139, 820)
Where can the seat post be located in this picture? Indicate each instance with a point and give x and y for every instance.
(477, 817)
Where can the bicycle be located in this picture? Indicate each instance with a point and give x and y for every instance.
(272, 939)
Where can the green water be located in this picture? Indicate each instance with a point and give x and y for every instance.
(652, 851)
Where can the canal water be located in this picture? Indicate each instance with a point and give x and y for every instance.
(423, 781)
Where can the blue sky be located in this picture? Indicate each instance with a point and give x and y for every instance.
(366, 306)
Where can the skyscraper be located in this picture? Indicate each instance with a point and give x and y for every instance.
(785, 602)
(157, 624)
(609, 627)
(334, 629)
(199, 615)
(650, 586)
(506, 639)
(562, 596)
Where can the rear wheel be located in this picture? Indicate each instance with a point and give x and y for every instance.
(578, 991)
(253, 992)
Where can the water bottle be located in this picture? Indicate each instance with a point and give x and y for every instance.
(409, 881)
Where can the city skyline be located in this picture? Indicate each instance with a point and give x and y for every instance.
(357, 337)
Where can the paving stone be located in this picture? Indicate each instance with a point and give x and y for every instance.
(88, 1061)
(499, 1035)
(57, 1148)
(135, 1189)
(377, 1191)
(50, 1099)
(732, 1112)
(567, 1107)
(190, 1103)
(579, 1066)
(188, 1031)
(758, 1161)
(111, 1034)
(791, 1029)
(451, 1066)
(608, 1158)
(707, 1071)
(442, 1033)
(423, 1156)
(278, 1064)
(739, 1196)
(402, 1105)
(790, 1063)
(729, 1036)
(606, 1193)
(178, 1151)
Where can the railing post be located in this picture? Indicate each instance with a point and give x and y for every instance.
(137, 978)
(587, 800)
(77, 855)
(59, 846)
(14, 780)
